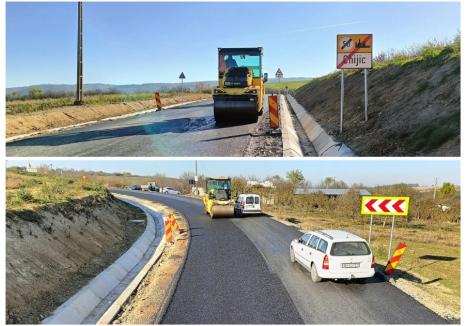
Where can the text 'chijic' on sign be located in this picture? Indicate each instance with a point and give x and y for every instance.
(385, 205)
(354, 51)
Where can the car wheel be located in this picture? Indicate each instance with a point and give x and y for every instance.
(314, 275)
(292, 256)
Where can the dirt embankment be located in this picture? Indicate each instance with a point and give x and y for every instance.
(53, 251)
(414, 108)
(25, 123)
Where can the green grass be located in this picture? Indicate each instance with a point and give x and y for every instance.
(28, 190)
(26, 106)
(292, 85)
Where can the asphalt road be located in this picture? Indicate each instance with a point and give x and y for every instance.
(188, 130)
(238, 271)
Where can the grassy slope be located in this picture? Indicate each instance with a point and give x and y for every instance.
(292, 85)
(30, 190)
(414, 103)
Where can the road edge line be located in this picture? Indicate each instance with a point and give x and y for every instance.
(92, 122)
(291, 143)
(323, 143)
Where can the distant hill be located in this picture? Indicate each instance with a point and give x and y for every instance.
(131, 88)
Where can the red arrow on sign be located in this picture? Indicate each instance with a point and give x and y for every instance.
(369, 205)
(397, 206)
(383, 205)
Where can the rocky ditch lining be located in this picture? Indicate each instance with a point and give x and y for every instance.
(55, 250)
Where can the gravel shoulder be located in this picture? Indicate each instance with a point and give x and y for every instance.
(147, 303)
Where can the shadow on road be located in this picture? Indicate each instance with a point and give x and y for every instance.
(228, 137)
(180, 125)
(192, 106)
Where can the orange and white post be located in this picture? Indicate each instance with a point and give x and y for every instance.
(167, 227)
(174, 224)
(157, 98)
(274, 111)
(393, 262)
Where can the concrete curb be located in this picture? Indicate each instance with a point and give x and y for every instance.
(291, 143)
(83, 124)
(324, 144)
(97, 302)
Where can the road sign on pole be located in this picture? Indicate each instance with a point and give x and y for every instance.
(279, 75)
(385, 205)
(353, 51)
(182, 77)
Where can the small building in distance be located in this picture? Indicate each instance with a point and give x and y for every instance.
(329, 192)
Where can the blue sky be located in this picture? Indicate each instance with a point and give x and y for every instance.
(137, 43)
(368, 172)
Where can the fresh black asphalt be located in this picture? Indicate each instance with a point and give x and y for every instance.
(225, 280)
(238, 271)
(187, 130)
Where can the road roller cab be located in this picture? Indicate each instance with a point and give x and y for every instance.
(218, 201)
(240, 91)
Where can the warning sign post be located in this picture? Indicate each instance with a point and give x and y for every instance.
(384, 205)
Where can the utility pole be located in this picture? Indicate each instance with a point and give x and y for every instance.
(79, 63)
(435, 188)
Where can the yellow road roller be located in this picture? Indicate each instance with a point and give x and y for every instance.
(240, 91)
(217, 199)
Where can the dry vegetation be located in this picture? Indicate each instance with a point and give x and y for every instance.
(31, 190)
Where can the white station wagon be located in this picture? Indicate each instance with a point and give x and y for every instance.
(333, 254)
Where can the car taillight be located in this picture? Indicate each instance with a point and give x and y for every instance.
(373, 262)
(243, 205)
(325, 263)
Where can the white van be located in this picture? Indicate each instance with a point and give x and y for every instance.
(333, 254)
(247, 204)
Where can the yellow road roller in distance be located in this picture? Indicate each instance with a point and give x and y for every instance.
(240, 91)
(218, 200)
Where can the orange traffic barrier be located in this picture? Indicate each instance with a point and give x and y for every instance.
(167, 226)
(274, 114)
(173, 221)
(157, 98)
(393, 262)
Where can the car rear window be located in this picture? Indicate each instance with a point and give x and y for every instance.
(257, 200)
(249, 200)
(354, 248)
